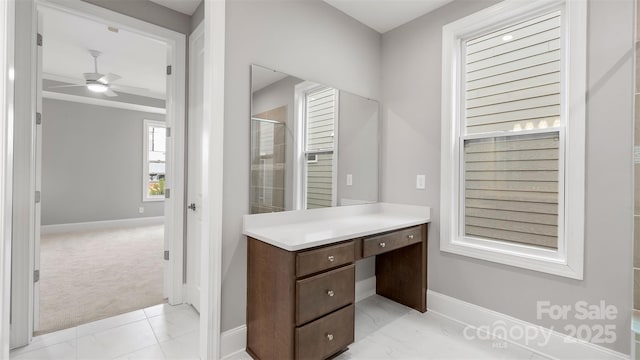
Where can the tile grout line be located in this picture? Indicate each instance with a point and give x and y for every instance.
(156, 337)
(77, 343)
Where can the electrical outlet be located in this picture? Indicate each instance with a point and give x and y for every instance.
(349, 179)
(420, 182)
(141, 209)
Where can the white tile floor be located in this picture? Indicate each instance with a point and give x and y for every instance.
(387, 330)
(384, 330)
(157, 332)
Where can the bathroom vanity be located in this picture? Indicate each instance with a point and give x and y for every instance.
(301, 273)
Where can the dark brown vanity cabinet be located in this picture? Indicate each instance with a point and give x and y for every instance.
(300, 304)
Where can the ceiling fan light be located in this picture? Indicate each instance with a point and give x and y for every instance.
(97, 87)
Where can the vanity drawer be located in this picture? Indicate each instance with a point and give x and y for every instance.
(391, 241)
(313, 261)
(325, 336)
(324, 293)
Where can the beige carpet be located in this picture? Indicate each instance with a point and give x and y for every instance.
(92, 275)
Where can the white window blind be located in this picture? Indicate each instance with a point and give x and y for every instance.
(511, 189)
(513, 77)
(511, 181)
(319, 147)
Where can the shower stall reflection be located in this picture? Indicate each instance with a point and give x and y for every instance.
(268, 159)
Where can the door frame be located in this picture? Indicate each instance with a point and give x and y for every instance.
(212, 178)
(194, 50)
(213, 107)
(7, 74)
(175, 119)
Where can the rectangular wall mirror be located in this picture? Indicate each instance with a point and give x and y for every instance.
(312, 145)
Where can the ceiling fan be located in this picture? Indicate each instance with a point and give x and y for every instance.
(96, 81)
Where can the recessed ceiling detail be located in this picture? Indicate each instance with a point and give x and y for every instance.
(384, 15)
(140, 61)
(187, 7)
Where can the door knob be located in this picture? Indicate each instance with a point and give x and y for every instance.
(192, 206)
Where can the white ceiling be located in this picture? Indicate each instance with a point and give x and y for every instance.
(67, 39)
(187, 7)
(384, 15)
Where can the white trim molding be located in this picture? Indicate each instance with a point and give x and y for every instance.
(101, 225)
(365, 288)
(233, 342)
(544, 341)
(102, 102)
(567, 259)
(7, 76)
(212, 178)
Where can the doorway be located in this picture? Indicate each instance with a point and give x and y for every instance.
(101, 163)
(162, 182)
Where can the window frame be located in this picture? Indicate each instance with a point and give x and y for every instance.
(146, 124)
(567, 260)
(302, 91)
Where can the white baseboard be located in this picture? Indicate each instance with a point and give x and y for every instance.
(541, 340)
(365, 288)
(234, 341)
(100, 225)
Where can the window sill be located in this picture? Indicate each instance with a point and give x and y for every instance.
(551, 264)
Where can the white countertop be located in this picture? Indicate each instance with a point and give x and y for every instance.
(303, 229)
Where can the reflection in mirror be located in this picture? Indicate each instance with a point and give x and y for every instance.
(312, 146)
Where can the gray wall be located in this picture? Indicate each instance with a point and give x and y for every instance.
(150, 12)
(92, 163)
(358, 124)
(411, 145)
(276, 34)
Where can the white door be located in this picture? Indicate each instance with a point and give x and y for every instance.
(194, 174)
(38, 177)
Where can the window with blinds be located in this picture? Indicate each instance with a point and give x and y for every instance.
(511, 133)
(319, 147)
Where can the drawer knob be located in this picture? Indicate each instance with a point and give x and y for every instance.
(410, 237)
(382, 244)
(331, 258)
(330, 293)
(330, 337)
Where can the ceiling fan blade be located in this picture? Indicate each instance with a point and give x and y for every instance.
(92, 76)
(66, 86)
(110, 93)
(124, 88)
(109, 78)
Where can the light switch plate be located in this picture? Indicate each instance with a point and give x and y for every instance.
(420, 182)
(349, 179)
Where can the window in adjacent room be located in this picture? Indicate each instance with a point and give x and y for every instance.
(154, 160)
(320, 123)
(513, 136)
